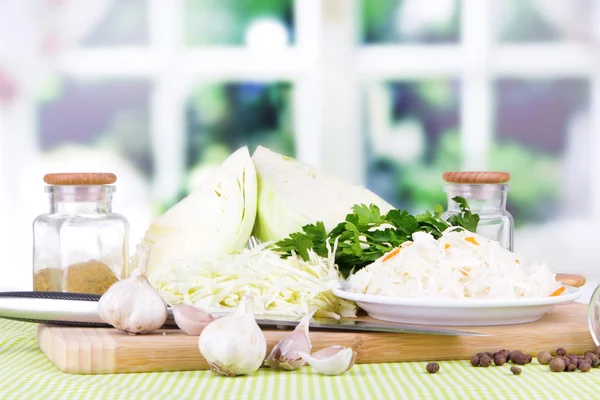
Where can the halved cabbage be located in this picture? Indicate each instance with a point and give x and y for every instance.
(292, 194)
(215, 220)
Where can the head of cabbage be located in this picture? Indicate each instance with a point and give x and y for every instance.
(292, 194)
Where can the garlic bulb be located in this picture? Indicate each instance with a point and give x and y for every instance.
(190, 319)
(285, 354)
(133, 305)
(234, 344)
(332, 360)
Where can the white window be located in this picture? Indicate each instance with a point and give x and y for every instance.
(355, 73)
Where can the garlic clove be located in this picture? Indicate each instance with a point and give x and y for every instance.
(133, 306)
(285, 354)
(334, 360)
(234, 344)
(190, 319)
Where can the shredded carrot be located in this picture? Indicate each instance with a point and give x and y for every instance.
(472, 240)
(518, 261)
(393, 254)
(447, 246)
(464, 273)
(558, 291)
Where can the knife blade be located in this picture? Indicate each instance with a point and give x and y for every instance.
(74, 309)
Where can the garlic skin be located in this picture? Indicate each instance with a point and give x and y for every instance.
(334, 360)
(190, 319)
(234, 345)
(133, 305)
(285, 354)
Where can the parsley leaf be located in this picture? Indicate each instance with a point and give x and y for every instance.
(366, 235)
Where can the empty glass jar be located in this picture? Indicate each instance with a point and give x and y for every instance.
(80, 245)
(486, 193)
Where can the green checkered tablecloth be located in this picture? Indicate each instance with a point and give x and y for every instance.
(25, 373)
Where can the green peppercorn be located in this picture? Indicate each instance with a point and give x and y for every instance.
(432, 367)
(544, 357)
(561, 352)
(557, 364)
(474, 360)
(515, 370)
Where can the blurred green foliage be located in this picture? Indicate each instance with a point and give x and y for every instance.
(418, 185)
(379, 24)
(224, 22)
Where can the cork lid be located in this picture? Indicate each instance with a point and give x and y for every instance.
(476, 178)
(80, 178)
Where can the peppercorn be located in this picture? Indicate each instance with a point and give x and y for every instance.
(515, 370)
(571, 367)
(474, 360)
(481, 355)
(484, 361)
(432, 367)
(518, 357)
(593, 357)
(544, 357)
(561, 352)
(528, 358)
(499, 359)
(557, 364)
(596, 363)
(490, 355)
(584, 367)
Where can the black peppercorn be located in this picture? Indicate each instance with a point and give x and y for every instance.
(544, 357)
(557, 364)
(528, 358)
(515, 370)
(499, 359)
(480, 355)
(571, 367)
(474, 360)
(518, 357)
(484, 361)
(490, 355)
(561, 352)
(432, 367)
(584, 367)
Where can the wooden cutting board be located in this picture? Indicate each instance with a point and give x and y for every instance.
(101, 350)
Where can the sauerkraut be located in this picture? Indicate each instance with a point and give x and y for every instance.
(459, 265)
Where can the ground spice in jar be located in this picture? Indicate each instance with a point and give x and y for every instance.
(47, 280)
(92, 277)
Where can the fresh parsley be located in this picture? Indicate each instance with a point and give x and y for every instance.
(366, 235)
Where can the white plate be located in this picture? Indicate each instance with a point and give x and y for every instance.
(468, 312)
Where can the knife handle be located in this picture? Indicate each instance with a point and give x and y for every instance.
(53, 295)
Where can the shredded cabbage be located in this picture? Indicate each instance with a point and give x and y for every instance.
(459, 265)
(282, 287)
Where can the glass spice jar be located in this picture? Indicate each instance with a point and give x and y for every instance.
(80, 246)
(486, 193)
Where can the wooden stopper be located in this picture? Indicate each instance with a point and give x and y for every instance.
(80, 178)
(476, 177)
